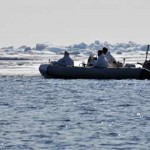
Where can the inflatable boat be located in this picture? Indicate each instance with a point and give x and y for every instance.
(87, 72)
(68, 72)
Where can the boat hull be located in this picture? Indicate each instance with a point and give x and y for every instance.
(50, 71)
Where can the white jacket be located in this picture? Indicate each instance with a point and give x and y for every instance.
(65, 61)
(101, 62)
(109, 57)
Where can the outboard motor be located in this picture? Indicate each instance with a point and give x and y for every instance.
(146, 65)
(145, 74)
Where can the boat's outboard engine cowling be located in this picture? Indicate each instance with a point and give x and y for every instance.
(146, 65)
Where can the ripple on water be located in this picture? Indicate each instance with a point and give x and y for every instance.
(36, 113)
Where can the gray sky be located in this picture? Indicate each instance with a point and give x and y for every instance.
(64, 22)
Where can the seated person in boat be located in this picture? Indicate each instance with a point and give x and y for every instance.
(66, 60)
(101, 62)
(91, 60)
(111, 60)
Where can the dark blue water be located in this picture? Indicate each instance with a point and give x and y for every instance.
(40, 114)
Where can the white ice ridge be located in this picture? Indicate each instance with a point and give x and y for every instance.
(25, 60)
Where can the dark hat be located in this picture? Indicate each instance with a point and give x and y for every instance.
(105, 50)
(100, 52)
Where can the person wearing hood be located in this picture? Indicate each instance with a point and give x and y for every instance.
(66, 60)
(101, 62)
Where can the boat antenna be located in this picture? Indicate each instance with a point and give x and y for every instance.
(147, 53)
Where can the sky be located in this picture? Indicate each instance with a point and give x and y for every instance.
(64, 22)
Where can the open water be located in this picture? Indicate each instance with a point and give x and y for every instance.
(57, 114)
